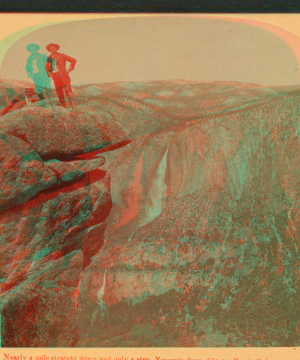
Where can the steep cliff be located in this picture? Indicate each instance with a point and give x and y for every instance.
(187, 235)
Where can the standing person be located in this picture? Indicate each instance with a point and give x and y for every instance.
(36, 70)
(56, 69)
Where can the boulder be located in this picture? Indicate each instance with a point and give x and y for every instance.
(45, 246)
(23, 174)
(61, 133)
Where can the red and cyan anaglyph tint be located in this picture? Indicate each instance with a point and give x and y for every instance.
(150, 184)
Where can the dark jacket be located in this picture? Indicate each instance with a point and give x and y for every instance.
(60, 61)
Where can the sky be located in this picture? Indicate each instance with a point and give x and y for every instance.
(108, 48)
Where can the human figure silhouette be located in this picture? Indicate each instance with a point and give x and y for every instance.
(36, 70)
(57, 69)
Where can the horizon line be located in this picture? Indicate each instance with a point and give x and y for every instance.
(161, 80)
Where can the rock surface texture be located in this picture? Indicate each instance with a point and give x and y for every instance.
(152, 215)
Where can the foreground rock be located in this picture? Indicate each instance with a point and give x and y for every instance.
(61, 133)
(23, 173)
(45, 245)
(52, 223)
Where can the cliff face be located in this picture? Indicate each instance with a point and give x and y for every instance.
(203, 235)
(180, 238)
(45, 245)
(52, 223)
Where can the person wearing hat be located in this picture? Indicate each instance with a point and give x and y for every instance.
(36, 70)
(57, 70)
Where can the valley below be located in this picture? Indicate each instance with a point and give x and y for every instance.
(156, 214)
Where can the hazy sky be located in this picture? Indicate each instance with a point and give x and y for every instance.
(162, 48)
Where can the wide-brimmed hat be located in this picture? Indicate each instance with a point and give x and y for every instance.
(33, 46)
(52, 45)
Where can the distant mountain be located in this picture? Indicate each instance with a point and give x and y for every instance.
(174, 96)
(287, 89)
(6, 83)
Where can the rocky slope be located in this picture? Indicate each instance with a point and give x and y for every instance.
(188, 235)
(52, 223)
